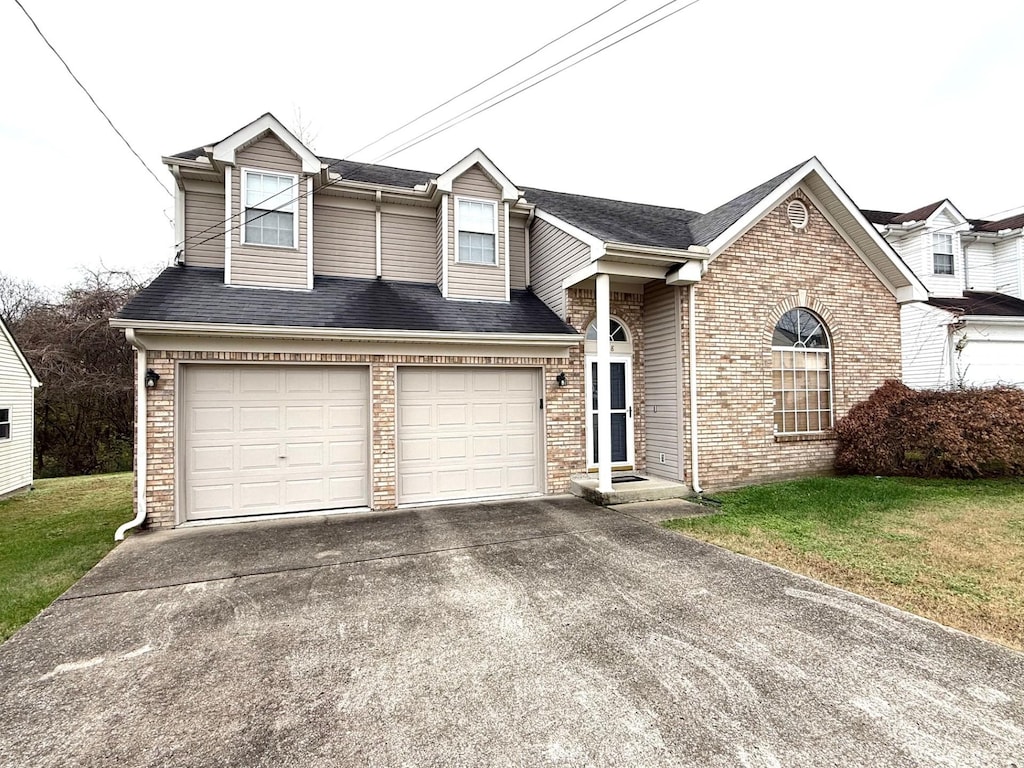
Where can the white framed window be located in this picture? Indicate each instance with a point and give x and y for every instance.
(942, 254)
(801, 374)
(270, 203)
(476, 231)
(5, 423)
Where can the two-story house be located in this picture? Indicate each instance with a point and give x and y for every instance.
(338, 335)
(970, 332)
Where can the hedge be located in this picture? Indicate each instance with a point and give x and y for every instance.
(964, 433)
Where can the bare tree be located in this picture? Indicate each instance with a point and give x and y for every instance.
(17, 297)
(303, 129)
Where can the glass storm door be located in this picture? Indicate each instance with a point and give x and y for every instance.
(621, 413)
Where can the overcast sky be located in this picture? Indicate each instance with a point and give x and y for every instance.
(905, 102)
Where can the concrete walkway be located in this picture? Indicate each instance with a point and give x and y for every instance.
(546, 632)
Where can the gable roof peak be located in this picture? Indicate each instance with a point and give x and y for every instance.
(225, 149)
(509, 191)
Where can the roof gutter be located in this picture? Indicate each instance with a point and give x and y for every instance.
(140, 436)
(992, 319)
(158, 327)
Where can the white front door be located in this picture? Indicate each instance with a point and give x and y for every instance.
(621, 424)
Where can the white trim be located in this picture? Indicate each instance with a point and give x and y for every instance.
(377, 238)
(141, 444)
(9, 422)
(309, 232)
(602, 291)
(224, 150)
(229, 194)
(179, 222)
(17, 352)
(627, 359)
(813, 167)
(444, 246)
(494, 218)
(162, 328)
(947, 206)
(505, 243)
(596, 244)
(526, 249)
(509, 191)
(294, 203)
(615, 269)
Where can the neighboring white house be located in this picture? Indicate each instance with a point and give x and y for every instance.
(17, 406)
(971, 330)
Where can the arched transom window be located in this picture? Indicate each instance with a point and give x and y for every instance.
(618, 332)
(801, 373)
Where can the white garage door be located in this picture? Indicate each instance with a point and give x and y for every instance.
(260, 439)
(468, 433)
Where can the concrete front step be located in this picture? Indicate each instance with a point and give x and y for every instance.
(648, 489)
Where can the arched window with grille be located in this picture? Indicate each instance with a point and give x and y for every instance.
(801, 373)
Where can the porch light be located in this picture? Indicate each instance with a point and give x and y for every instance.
(152, 377)
(561, 379)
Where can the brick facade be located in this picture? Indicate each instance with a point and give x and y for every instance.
(563, 417)
(772, 268)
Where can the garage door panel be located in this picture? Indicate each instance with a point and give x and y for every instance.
(274, 438)
(253, 418)
(468, 433)
(212, 420)
(259, 456)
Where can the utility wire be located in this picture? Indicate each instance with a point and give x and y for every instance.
(487, 79)
(98, 107)
(481, 108)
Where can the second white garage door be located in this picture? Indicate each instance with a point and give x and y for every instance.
(261, 439)
(468, 433)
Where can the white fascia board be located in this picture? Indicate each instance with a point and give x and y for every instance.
(17, 353)
(689, 273)
(509, 191)
(158, 328)
(992, 320)
(668, 254)
(615, 269)
(597, 245)
(224, 150)
(946, 205)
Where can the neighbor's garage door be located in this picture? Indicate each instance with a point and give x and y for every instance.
(468, 433)
(260, 439)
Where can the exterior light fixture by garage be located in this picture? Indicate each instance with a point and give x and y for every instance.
(152, 377)
(561, 379)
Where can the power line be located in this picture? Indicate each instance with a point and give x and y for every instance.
(98, 107)
(480, 108)
(487, 79)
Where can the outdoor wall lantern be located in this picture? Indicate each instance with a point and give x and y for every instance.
(152, 377)
(561, 379)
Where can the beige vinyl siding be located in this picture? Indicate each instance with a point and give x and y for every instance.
(344, 241)
(204, 228)
(554, 255)
(408, 242)
(517, 257)
(264, 265)
(663, 389)
(476, 281)
(15, 393)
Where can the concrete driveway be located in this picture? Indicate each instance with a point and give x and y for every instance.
(547, 632)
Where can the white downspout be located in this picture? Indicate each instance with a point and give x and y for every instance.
(604, 384)
(692, 329)
(140, 436)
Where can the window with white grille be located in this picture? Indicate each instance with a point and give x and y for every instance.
(476, 223)
(270, 201)
(942, 254)
(801, 374)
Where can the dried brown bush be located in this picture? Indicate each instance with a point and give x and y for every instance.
(958, 433)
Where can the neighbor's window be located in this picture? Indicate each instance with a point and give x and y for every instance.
(5, 423)
(270, 206)
(942, 254)
(477, 224)
(801, 374)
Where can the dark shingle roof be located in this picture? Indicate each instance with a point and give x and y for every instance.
(895, 217)
(378, 174)
(618, 221)
(879, 217)
(712, 224)
(198, 295)
(981, 303)
(1013, 222)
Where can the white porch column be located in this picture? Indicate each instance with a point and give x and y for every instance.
(604, 385)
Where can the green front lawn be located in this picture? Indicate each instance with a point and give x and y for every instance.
(51, 536)
(950, 550)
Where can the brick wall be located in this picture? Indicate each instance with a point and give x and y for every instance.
(769, 270)
(563, 419)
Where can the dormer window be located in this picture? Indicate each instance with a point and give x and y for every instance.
(476, 225)
(942, 254)
(270, 202)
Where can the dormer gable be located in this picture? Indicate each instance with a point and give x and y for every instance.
(507, 190)
(227, 149)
